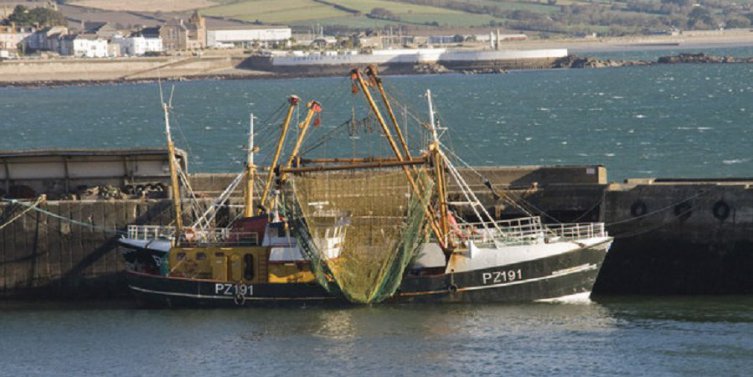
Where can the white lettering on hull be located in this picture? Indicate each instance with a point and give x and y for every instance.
(496, 277)
(228, 289)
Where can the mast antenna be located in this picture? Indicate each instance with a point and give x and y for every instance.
(248, 192)
(170, 101)
(174, 184)
(433, 126)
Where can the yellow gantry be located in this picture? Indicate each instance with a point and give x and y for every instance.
(293, 102)
(314, 108)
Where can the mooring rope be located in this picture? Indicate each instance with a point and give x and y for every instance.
(39, 200)
(662, 209)
(34, 207)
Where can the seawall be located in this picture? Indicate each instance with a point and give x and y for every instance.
(671, 236)
(83, 71)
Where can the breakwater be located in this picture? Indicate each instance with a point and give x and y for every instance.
(671, 237)
(78, 71)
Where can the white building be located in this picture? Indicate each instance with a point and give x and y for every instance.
(138, 45)
(11, 37)
(84, 45)
(246, 35)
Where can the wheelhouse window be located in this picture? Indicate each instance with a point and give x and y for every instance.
(248, 267)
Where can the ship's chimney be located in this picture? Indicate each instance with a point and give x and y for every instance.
(496, 46)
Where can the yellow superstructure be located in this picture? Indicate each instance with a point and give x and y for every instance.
(290, 272)
(245, 264)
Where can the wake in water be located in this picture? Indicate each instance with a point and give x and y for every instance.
(583, 298)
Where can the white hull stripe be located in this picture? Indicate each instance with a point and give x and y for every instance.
(213, 297)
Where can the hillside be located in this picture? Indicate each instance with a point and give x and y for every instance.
(563, 17)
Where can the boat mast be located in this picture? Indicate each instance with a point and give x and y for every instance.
(248, 193)
(293, 101)
(314, 108)
(175, 189)
(439, 172)
(356, 75)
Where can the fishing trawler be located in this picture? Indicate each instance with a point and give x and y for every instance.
(362, 230)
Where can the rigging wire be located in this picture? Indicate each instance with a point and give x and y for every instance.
(662, 209)
(661, 224)
(175, 123)
(324, 138)
(488, 184)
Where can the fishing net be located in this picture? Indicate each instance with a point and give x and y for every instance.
(360, 229)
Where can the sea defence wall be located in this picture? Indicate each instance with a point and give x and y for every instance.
(73, 70)
(407, 61)
(66, 173)
(671, 236)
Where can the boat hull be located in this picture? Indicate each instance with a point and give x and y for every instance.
(179, 292)
(551, 277)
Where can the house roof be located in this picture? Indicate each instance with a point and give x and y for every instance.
(148, 32)
(91, 37)
(93, 26)
(175, 22)
(247, 27)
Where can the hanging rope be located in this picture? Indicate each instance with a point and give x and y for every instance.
(672, 205)
(661, 223)
(39, 200)
(35, 207)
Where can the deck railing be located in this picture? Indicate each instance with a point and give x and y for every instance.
(216, 237)
(528, 230)
(578, 230)
(150, 232)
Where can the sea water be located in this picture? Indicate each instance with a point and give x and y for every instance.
(638, 336)
(659, 121)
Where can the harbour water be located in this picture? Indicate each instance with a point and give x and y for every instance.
(680, 121)
(660, 121)
(640, 336)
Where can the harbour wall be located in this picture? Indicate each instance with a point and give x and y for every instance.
(671, 236)
(82, 70)
(335, 65)
(68, 249)
(679, 237)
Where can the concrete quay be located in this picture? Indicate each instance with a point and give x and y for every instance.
(671, 236)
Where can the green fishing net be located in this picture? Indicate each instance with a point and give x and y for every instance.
(359, 228)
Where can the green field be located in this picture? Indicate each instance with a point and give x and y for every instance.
(276, 11)
(608, 17)
(308, 12)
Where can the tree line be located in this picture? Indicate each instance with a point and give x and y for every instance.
(613, 18)
(41, 17)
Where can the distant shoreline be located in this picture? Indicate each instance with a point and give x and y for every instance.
(572, 62)
(223, 66)
(733, 38)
